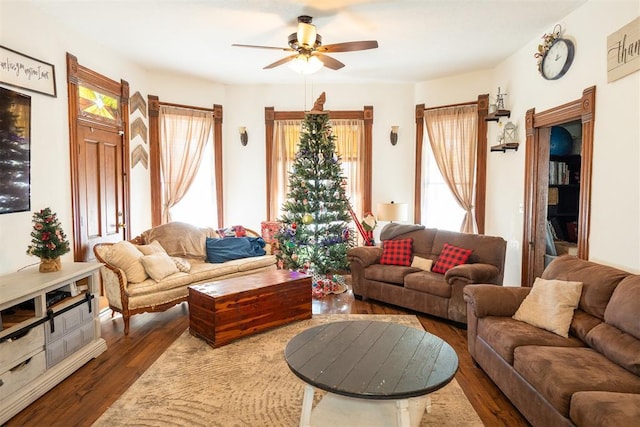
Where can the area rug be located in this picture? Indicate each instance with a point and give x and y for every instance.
(246, 383)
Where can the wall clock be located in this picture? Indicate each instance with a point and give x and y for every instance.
(557, 59)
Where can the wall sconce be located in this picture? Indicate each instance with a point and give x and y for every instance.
(244, 137)
(393, 136)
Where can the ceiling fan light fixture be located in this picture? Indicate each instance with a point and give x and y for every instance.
(305, 64)
(306, 35)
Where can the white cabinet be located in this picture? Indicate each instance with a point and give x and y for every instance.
(46, 334)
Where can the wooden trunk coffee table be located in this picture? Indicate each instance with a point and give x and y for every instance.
(228, 309)
(375, 373)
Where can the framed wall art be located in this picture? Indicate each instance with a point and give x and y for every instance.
(22, 71)
(15, 151)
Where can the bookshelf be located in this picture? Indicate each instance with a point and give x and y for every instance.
(564, 196)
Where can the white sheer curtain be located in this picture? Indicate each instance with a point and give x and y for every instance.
(349, 140)
(286, 135)
(350, 147)
(184, 135)
(452, 133)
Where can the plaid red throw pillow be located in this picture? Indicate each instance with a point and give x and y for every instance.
(397, 252)
(450, 257)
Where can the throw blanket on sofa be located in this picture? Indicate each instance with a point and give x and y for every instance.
(392, 230)
(221, 250)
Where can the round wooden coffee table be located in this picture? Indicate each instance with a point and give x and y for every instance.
(375, 373)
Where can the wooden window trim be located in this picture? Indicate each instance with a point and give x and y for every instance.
(270, 116)
(481, 160)
(154, 156)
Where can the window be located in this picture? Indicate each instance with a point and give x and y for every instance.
(185, 157)
(185, 135)
(439, 207)
(353, 143)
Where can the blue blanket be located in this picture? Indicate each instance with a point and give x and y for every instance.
(221, 250)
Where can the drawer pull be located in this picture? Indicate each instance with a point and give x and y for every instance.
(21, 365)
(51, 322)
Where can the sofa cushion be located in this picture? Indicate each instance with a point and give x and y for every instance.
(422, 263)
(550, 305)
(227, 249)
(126, 257)
(180, 239)
(150, 286)
(152, 248)
(450, 257)
(388, 273)
(623, 310)
(598, 281)
(397, 252)
(504, 335)
(604, 408)
(158, 266)
(620, 347)
(252, 263)
(559, 372)
(426, 281)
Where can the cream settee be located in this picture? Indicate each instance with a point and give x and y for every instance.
(153, 271)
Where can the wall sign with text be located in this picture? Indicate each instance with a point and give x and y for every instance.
(623, 51)
(26, 72)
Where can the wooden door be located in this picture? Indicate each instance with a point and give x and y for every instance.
(100, 189)
(538, 127)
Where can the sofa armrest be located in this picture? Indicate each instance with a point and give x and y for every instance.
(114, 283)
(365, 255)
(490, 300)
(472, 273)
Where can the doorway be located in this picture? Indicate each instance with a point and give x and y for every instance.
(536, 202)
(98, 129)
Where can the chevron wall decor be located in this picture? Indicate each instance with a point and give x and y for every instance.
(139, 128)
(136, 102)
(139, 155)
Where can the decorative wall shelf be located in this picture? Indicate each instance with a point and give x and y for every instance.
(496, 115)
(506, 146)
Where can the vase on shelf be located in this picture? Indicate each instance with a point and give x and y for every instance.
(49, 265)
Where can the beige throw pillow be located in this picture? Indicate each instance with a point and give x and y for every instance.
(126, 257)
(422, 263)
(550, 305)
(159, 266)
(152, 248)
(182, 264)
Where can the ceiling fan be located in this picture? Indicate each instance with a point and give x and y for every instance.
(310, 53)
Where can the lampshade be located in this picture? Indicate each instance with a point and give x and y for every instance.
(393, 211)
(306, 35)
(305, 64)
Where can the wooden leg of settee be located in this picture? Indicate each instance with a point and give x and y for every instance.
(126, 319)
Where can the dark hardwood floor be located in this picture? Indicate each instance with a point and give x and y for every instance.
(85, 395)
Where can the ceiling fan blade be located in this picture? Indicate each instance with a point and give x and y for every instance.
(280, 62)
(286, 49)
(329, 62)
(348, 46)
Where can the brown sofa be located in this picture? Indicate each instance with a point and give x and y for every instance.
(590, 378)
(426, 291)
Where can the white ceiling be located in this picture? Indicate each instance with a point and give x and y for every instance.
(418, 39)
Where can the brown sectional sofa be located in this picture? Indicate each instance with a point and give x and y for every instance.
(426, 291)
(591, 378)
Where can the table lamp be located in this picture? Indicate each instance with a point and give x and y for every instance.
(392, 211)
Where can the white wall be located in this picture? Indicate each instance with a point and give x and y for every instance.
(245, 171)
(615, 228)
(31, 33)
(615, 198)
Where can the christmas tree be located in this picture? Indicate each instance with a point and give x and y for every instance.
(47, 238)
(315, 235)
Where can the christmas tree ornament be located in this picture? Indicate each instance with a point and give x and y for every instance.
(307, 219)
